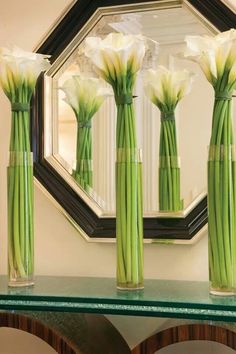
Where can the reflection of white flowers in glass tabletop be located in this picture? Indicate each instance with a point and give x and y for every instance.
(165, 88)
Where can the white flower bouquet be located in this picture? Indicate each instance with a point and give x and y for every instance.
(85, 96)
(117, 59)
(165, 88)
(19, 71)
(217, 58)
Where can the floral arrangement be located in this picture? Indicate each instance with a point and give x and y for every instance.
(19, 71)
(165, 88)
(85, 96)
(217, 58)
(117, 59)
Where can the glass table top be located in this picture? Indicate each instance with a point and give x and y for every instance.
(159, 298)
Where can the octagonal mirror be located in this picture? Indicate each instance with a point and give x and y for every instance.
(92, 207)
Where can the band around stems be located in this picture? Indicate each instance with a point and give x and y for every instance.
(124, 99)
(86, 124)
(20, 107)
(168, 115)
(223, 95)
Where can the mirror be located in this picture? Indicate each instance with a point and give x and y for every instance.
(93, 208)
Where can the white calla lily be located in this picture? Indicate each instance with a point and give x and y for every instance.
(216, 55)
(18, 67)
(165, 88)
(85, 93)
(19, 71)
(116, 55)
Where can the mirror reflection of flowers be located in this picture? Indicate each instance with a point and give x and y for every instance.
(165, 88)
(117, 59)
(217, 58)
(85, 96)
(19, 71)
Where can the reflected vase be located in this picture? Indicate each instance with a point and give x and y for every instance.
(83, 173)
(129, 206)
(20, 204)
(169, 184)
(222, 202)
(169, 166)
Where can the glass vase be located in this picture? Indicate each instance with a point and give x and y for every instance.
(221, 219)
(129, 219)
(83, 172)
(20, 219)
(169, 184)
(169, 166)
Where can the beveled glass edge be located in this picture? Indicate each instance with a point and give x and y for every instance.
(109, 307)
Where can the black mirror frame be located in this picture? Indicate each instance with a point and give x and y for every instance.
(155, 228)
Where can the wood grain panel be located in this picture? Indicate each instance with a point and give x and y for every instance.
(70, 333)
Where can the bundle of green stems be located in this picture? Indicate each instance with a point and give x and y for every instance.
(83, 170)
(169, 170)
(117, 59)
(129, 208)
(222, 191)
(20, 191)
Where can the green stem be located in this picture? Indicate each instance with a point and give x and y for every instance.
(129, 229)
(20, 201)
(221, 199)
(169, 172)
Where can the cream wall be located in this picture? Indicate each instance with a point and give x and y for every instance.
(23, 343)
(59, 249)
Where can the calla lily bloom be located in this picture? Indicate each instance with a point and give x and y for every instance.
(18, 68)
(85, 94)
(116, 55)
(165, 88)
(215, 55)
(19, 71)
